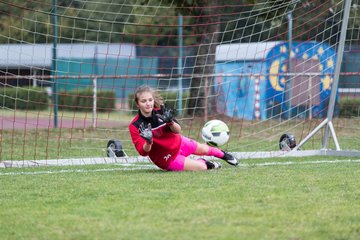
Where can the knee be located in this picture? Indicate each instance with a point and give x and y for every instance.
(202, 149)
(202, 167)
(194, 165)
(199, 166)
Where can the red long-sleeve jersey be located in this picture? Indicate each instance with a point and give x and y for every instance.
(166, 144)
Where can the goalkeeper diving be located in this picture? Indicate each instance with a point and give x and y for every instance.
(157, 134)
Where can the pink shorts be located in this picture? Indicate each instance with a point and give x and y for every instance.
(188, 147)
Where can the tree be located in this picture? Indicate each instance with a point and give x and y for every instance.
(31, 21)
(209, 19)
(206, 31)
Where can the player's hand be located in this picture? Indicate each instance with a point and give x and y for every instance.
(146, 133)
(167, 116)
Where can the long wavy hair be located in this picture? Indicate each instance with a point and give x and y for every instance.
(158, 100)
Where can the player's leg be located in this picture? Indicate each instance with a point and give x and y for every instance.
(190, 146)
(182, 163)
(203, 149)
(199, 164)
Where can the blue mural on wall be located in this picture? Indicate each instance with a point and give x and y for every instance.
(236, 93)
(255, 89)
(277, 64)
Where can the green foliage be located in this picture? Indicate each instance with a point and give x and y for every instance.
(172, 99)
(82, 100)
(349, 107)
(31, 98)
(20, 23)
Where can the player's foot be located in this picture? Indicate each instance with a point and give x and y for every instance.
(216, 165)
(212, 165)
(230, 159)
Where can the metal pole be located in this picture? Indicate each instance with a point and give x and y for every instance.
(180, 67)
(54, 63)
(339, 58)
(94, 102)
(94, 116)
(310, 135)
(289, 79)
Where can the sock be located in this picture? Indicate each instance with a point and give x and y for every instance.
(215, 152)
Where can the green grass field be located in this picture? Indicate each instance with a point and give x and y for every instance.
(278, 198)
(312, 198)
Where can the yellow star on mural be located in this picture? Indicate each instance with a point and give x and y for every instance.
(320, 51)
(321, 67)
(326, 81)
(292, 54)
(305, 56)
(283, 49)
(330, 63)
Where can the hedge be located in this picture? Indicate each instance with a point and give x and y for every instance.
(28, 98)
(82, 100)
(349, 107)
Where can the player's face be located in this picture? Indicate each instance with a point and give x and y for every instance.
(145, 103)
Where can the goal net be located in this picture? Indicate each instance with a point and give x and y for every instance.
(283, 75)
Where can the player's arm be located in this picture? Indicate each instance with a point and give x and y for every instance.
(147, 146)
(174, 127)
(168, 118)
(146, 134)
(140, 143)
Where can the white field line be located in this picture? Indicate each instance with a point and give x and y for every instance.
(297, 163)
(134, 166)
(126, 168)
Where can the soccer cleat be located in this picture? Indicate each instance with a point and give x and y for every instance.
(230, 159)
(216, 165)
(212, 165)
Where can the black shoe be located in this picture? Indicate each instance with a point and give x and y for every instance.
(217, 165)
(230, 159)
(212, 165)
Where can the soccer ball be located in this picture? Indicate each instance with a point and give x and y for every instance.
(215, 133)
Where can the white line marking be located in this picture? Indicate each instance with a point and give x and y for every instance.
(133, 167)
(81, 170)
(298, 163)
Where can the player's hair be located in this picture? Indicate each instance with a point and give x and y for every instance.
(158, 100)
